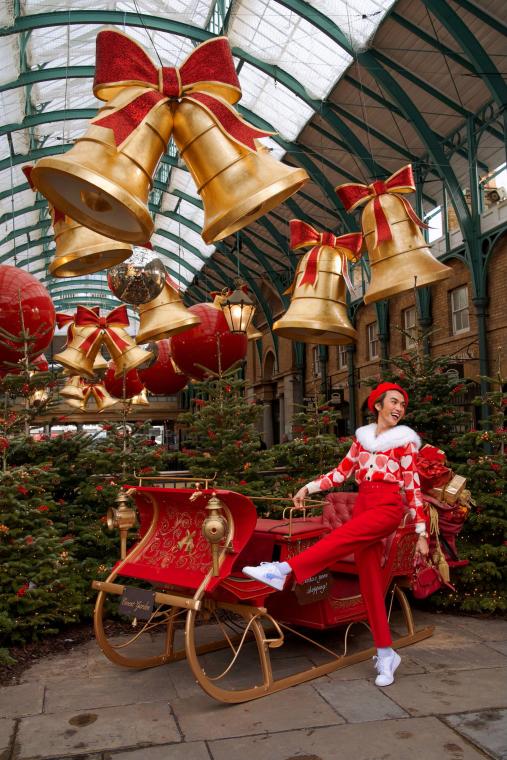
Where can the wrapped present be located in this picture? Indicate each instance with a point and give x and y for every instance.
(451, 491)
(432, 470)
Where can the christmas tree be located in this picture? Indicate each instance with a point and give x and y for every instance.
(40, 588)
(432, 411)
(480, 455)
(221, 436)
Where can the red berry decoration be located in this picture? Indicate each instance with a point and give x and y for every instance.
(160, 378)
(114, 385)
(18, 287)
(196, 349)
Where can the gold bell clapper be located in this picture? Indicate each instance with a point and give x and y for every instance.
(104, 180)
(166, 315)
(397, 250)
(318, 308)
(80, 250)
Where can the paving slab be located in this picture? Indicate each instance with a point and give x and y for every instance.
(359, 701)
(451, 692)
(499, 646)
(487, 729)
(25, 699)
(7, 727)
(201, 717)
(460, 657)
(421, 738)
(58, 667)
(186, 751)
(486, 629)
(110, 728)
(120, 688)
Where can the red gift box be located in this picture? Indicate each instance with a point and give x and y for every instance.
(432, 470)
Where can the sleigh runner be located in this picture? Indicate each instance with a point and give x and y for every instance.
(193, 544)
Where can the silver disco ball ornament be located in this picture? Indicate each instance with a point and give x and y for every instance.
(138, 280)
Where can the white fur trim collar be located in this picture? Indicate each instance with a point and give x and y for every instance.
(389, 439)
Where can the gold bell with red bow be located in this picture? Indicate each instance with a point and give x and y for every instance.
(103, 398)
(82, 346)
(73, 388)
(399, 255)
(140, 399)
(318, 308)
(166, 315)
(79, 250)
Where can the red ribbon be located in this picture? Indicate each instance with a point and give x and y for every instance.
(347, 246)
(354, 195)
(118, 317)
(207, 77)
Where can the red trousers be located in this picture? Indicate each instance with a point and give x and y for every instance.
(377, 513)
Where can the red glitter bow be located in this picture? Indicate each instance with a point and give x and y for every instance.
(346, 246)
(354, 195)
(118, 317)
(207, 77)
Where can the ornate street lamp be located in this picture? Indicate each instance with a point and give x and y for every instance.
(238, 309)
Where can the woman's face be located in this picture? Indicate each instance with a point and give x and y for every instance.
(391, 410)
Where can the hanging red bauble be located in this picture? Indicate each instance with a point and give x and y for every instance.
(18, 287)
(196, 350)
(133, 384)
(161, 377)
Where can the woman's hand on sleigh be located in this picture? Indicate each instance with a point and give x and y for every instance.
(299, 498)
(422, 547)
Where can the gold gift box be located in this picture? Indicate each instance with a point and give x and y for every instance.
(451, 491)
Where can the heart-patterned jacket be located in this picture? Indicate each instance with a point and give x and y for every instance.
(388, 457)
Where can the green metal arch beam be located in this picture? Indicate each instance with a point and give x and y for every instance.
(481, 14)
(291, 148)
(260, 257)
(430, 140)
(59, 18)
(469, 43)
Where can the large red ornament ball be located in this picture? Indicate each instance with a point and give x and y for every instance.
(160, 377)
(20, 287)
(199, 345)
(114, 385)
(40, 364)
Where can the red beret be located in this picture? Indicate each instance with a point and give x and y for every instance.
(383, 388)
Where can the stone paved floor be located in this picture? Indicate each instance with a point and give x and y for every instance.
(449, 702)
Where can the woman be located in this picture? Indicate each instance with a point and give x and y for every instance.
(382, 456)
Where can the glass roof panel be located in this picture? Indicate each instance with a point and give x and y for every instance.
(261, 93)
(280, 36)
(357, 19)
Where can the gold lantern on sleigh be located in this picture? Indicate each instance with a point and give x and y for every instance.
(318, 308)
(104, 180)
(398, 252)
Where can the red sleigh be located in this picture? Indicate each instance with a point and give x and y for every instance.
(186, 568)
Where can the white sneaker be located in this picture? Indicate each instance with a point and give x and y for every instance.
(386, 668)
(268, 573)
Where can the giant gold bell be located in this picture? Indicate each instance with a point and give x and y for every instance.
(236, 185)
(80, 250)
(318, 313)
(103, 398)
(76, 359)
(129, 357)
(396, 263)
(104, 187)
(73, 388)
(166, 315)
